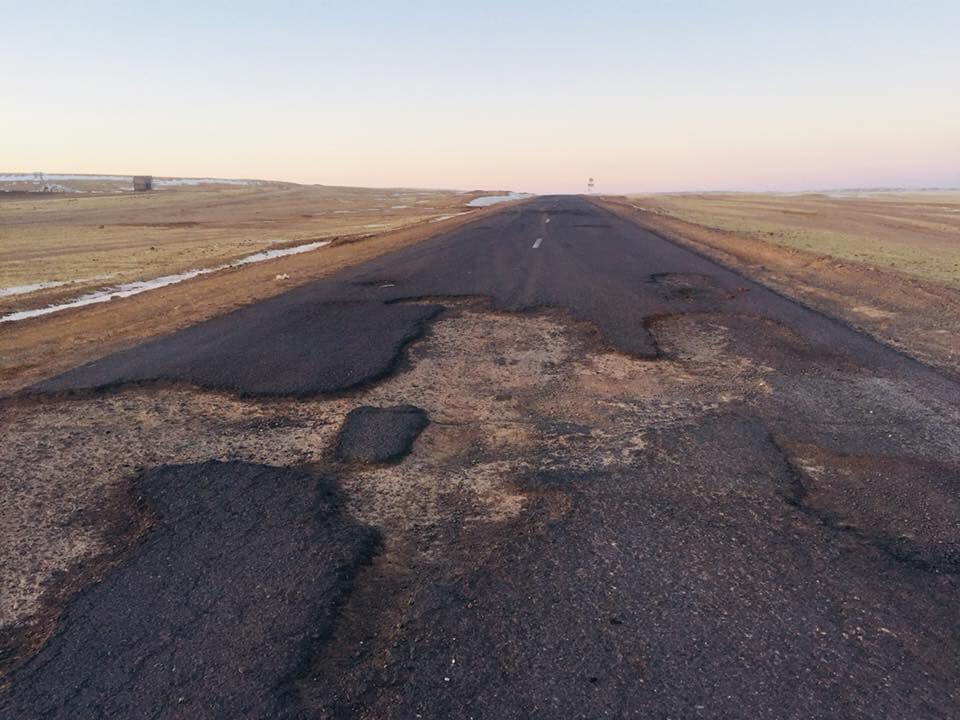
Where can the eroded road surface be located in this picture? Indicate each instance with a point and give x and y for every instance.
(549, 465)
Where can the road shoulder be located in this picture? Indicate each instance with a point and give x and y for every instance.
(920, 318)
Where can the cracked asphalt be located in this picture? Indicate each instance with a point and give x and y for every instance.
(649, 487)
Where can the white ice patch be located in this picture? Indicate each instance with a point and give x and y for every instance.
(43, 177)
(141, 286)
(46, 285)
(24, 289)
(494, 199)
(447, 217)
(271, 254)
(173, 182)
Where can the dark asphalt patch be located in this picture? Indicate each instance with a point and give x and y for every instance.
(214, 613)
(379, 435)
(288, 346)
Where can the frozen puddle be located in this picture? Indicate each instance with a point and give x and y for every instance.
(140, 286)
(494, 199)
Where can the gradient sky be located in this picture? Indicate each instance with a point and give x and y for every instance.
(537, 96)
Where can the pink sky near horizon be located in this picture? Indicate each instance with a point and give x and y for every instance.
(644, 97)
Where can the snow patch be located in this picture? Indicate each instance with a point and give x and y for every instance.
(135, 288)
(271, 254)
(46, 285)
(175, 182)
(53, 181)
(447, 217)
(494, 199)
(24, 289)
(43, 177)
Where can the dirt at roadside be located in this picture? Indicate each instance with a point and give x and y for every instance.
(918, 317)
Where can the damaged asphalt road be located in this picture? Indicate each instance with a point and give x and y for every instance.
(648, 487)
(349, 330)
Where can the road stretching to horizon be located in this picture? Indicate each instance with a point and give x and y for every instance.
(573, 470)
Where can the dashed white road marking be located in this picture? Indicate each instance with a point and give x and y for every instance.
(547, 220)
(537, 242)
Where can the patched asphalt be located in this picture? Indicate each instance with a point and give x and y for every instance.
(293, 345)
(380, 434)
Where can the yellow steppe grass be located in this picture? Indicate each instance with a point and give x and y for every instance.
(912, 233)
(102, 240)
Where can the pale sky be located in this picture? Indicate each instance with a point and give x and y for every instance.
(534, 96)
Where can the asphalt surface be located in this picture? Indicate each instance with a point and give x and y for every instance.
(794, 556)
(380, 435)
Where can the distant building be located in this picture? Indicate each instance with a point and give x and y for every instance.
(142, 183)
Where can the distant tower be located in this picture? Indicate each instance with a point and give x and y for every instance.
(590, 185)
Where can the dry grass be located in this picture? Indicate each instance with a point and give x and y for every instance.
(103, 240)
(917, 234)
